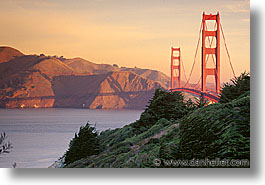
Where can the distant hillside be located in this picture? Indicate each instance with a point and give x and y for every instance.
(82, 65)
(8, 53)
(43, 81)
(26, 81)
(154, 75)
(48, 81)
(114, 90)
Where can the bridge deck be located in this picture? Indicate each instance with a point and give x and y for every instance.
(208, 95)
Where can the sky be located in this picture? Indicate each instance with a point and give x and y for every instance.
(126, 32)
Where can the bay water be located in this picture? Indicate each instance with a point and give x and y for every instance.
(41, 136)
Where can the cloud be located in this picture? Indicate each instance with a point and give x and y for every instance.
(237, 6)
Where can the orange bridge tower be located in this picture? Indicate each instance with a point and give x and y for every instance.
(206, 52)
(175, 68)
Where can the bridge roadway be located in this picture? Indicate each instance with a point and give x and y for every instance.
(213, 97)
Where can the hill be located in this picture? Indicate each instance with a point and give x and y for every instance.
(219, 131)
(8, 53)
(82, 66)
(114, 90)
(16, 69)
(33, 81)
(154, 75)
(26, 81)
(174, 133)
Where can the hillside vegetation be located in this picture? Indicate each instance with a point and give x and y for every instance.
(172, 129)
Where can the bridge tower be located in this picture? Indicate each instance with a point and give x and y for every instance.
(175, 68)
(211, 51)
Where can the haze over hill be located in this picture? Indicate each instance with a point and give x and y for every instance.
(45, 81)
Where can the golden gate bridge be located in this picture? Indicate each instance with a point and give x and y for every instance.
(177, 63)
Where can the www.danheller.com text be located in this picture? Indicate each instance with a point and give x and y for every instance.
(217, 162)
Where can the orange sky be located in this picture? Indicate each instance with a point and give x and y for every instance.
(128, 33)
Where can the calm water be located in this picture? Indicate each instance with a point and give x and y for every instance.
(40, 136)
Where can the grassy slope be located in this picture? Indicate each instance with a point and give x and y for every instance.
(219, 130)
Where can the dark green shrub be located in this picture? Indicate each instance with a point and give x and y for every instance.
(110, 138)
(121, 144)
(84, 144)
(4, 146)
(164, 104)
(235, 88)
(153, 141)
(217, 131)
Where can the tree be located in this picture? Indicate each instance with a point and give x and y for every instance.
(168, 105)
(200, 102)
(84, 144)
(4, 146)
(235, 88)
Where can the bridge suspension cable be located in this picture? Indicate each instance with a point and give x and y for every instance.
(195, 55)
(227, 51)
(197, 83)
(203, 28)
(182, 63)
